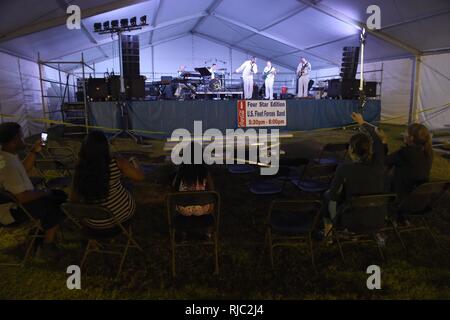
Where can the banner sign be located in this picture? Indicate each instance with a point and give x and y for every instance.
(261, 113)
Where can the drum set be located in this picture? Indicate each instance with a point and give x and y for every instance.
(218, 82)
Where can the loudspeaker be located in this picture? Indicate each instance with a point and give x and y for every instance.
(349, 66)
(130, 56)
(135, 88)
(114, 87)
(97, 89)
(349, 88)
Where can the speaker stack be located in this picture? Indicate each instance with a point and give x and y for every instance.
(348, 86)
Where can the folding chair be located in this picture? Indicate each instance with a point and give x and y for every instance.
(360, 219)
(418, 206)
(316, 178)
(46, 167)
(189, 199)
(332, 153)
(291, 224)
(98, 243)
(240, 168)
(269, 185)
(32, 228)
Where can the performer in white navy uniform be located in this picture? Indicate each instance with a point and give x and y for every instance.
(248, 68)
(269, 78)
(213, 70)
(303, 70)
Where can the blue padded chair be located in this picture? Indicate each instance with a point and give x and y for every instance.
(240, 168)
(332, 153)
(315, 178)
(265, 187)
(275, 184)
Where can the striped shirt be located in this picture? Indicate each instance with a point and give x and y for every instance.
(119, 201)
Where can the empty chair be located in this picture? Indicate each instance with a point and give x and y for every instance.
(97, 241)
(268, 185)
(240, 168)
(291, 224)
(419, 204)
(332, 153)
(48, 168)
(315, 178)
(188, 231)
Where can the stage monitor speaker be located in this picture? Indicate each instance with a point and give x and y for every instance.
(97, 89)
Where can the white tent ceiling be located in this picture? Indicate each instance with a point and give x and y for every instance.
(281, 30)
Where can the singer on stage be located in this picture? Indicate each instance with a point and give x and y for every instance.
(248, 68)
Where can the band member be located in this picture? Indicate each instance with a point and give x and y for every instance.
(248, 68)
(181, 70)
(213, 70)
(269, 78)
(303, 70)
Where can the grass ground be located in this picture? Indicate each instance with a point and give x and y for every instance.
(245, 270)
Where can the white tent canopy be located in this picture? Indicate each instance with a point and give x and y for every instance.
(192, 32)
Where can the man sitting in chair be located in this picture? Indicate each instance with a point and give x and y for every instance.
(44, 205)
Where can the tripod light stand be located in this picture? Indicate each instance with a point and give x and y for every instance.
(122, 103)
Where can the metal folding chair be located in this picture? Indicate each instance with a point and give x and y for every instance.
(190, 199)
(79, 213)
(418, 206)
(32, 227)
(291, 224)
(360, 219)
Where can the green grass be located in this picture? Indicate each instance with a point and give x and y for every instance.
(245, 268)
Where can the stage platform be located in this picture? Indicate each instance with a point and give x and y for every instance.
(166, 116)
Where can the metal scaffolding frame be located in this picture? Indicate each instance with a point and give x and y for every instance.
(63, 98)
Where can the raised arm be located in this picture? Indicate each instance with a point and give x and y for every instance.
(378, 146)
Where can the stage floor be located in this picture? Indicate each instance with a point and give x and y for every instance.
(166, 116)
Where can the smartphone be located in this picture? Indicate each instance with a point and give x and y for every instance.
(44, 136)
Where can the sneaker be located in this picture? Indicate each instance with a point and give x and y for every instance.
(381, 239)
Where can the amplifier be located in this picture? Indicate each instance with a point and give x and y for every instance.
(349, 88)
(97, 89)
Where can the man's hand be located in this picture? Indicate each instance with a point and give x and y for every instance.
(37, 147)
(358, 118)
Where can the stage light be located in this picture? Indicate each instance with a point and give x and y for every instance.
(106, 25)
(114, 24)
(97, 26)
(124, 23)
(144, 20)
(133, 21)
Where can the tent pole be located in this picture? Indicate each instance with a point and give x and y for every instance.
(414, 90)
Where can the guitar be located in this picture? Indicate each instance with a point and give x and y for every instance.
(266, 74)
(302, 70)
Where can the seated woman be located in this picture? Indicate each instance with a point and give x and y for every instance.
(364, 175)
(411, 164)
(194, 177)
(97, 181)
